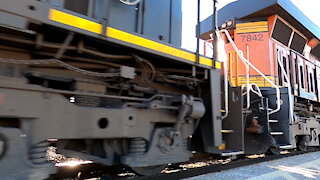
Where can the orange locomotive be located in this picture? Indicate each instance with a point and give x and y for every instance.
(273, 52)
(264, 43)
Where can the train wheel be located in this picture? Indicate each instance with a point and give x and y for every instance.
(302, 143)
(148, 170)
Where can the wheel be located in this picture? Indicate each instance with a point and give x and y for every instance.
(274, 151)
(302, 143)
(148, 170)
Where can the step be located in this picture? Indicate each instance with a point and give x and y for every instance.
(227, 131)
(262, 108)
(276, 133)
(234, 153)
(246, 111)
(273, 121)
(289, 146)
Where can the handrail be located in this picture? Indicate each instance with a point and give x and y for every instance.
(244, 60)
(248, 81)
(250, 88)
(289, 87)
(225, 69)
(258, 92)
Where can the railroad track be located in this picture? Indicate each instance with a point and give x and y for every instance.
(174, 172)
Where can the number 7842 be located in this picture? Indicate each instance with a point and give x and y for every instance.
(249, 38)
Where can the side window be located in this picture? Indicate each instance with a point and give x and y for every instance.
(298, 43)
(78, 6)
(316, 51)
(58, 3)
(281, 32)
(84, 7)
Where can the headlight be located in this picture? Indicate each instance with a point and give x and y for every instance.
(230, 23)
(224, 25)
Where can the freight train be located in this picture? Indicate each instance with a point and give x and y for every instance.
(107, 81)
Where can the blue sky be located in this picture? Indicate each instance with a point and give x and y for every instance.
(311, 8)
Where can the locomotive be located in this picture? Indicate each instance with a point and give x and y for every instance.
(273, 61)
(104, 81)
(107, 81)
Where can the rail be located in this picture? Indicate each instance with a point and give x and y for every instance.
(289, 87)
(245, 61)
(222, 56)
(250, 88)
(247, 79)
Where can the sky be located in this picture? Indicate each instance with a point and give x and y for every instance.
(311, 8)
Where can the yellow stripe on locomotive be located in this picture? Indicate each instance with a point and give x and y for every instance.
(94, 27)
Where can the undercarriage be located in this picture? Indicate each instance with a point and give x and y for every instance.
(110, 105)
